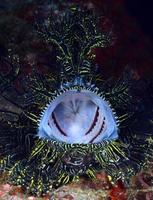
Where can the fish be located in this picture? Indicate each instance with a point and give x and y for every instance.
(71, 122)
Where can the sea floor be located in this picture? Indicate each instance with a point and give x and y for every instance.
(141, 188)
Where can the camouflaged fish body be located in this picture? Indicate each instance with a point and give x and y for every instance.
(80, 125)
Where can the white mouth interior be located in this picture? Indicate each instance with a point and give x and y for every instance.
(78, 117)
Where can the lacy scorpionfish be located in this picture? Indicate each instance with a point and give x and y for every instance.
(72, 123)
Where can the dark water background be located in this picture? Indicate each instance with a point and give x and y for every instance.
(143, 12)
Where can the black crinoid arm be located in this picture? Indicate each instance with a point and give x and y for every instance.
(72, 122)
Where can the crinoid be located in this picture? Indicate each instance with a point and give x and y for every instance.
(72, 122)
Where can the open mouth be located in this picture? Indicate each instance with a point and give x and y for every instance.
(78, 117)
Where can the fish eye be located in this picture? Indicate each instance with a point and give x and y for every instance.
(82, 117)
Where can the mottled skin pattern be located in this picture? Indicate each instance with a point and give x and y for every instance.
(40, 164)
